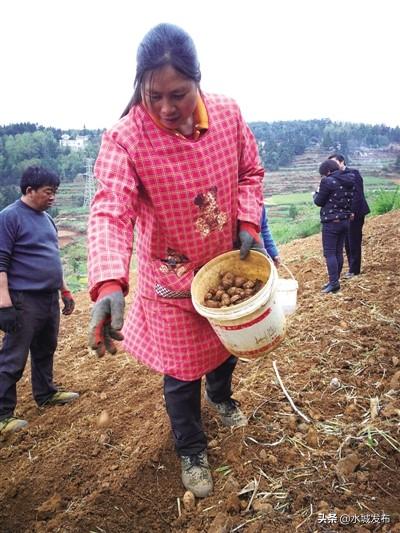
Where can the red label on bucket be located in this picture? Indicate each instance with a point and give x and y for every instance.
(248, 324)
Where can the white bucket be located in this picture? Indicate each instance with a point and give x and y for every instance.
(254, 327)
(287, 293)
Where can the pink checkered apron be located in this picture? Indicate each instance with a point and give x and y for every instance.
(184, 199)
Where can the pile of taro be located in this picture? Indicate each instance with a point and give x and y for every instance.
(231, 290)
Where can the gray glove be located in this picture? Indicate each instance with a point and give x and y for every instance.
(107, 318)
(8, 319)
(247, 243)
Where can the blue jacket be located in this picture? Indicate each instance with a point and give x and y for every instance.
(335, 196)
(359, 206)
(269, 243)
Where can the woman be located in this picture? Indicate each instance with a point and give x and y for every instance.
(334, 196)
(182, 167)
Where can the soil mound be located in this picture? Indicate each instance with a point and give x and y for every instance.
(106, 463)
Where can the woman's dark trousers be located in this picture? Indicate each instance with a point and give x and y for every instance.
(38, 318)
(183, 403)
(353, 244)
(333, 237)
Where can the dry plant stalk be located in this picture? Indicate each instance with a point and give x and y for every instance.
(374, 407)
(295, 409)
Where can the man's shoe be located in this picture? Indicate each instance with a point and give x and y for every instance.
(196, 474)
(324, 286)
(11, 425)
(229, 412)
(331, 287)
(61, 398)
(349, 275)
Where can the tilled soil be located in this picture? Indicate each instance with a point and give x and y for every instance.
(74, 471)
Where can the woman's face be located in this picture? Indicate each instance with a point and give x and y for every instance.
(171, 98)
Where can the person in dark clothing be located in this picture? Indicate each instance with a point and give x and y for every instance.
(335, 197)
(360, 209)
(31, 279)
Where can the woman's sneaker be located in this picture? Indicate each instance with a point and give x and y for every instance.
(229, 412)
(196, 474)
(11, 425)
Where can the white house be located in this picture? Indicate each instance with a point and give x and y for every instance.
(79, 143)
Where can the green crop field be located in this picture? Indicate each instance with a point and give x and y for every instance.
(375, 182)
(294, 215)
(291, 215)
(289, 199)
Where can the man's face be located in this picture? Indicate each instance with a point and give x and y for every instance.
(341, 164)
(42, 198)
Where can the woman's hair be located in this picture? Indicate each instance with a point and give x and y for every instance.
(327, 167)
(165, 44)
(36, 177)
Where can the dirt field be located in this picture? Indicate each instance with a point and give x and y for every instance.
(340, 364)
(66, 237)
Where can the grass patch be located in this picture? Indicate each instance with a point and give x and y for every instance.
(385, 201)
(286, 231)
(74, 261)
(290, 198)
(374, 181)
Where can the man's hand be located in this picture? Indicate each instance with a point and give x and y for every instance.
(8, 319)
(249, 239)
(107, 319)
(68, 301)
(277, 261)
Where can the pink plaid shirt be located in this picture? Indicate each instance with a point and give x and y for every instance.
(184, 197)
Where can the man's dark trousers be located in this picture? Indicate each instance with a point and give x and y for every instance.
(353, 244)
(183, 403)
(333, 237)
(38, 318)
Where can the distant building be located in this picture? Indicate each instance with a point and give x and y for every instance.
(79, 143)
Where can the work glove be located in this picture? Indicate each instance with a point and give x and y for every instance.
(249, 239)
(107, 319)
(8, 319)
(68, 301)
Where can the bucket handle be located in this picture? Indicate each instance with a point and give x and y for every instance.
(288, 270)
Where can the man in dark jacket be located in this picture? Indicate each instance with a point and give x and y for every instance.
(335, 197)
(31, 281)
(359, 208)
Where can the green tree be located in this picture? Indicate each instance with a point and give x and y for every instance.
(26, 149)
(71, 163)
(8, 195)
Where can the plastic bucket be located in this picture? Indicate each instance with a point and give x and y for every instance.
(254, 327)
(287, 293)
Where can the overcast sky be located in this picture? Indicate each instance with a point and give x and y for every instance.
(71, 63)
